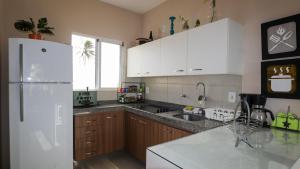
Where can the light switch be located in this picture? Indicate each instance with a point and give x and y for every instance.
(231, 97)
(147, 90)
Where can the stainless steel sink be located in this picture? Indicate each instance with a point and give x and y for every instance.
(189, 117)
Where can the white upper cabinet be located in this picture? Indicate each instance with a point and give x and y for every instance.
(215, 49)
(134, 62)
(151, 59)
(144, 60)
(173, 53)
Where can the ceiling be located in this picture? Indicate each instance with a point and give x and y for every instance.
(138, 6)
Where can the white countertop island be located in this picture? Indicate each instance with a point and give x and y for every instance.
(215, 149)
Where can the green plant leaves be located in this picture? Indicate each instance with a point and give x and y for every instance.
(43, 28)
(46, 30)
(29, 26)
(88, 50)
(25, 26)
(42, 22)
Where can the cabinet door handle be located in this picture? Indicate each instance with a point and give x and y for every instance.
(142, 122)
(196, 69)
(90, 122)
(90, 153)
(89, 142)
(147, 73)
(108, 117)
(89, 132)
(180, 70)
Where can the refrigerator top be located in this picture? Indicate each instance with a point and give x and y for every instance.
(24, 40)
(39, 61)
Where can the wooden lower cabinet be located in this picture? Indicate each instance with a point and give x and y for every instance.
(86, 139)
(143, 138)
(119, 132)
(113, 132)
(137, 135)
(103, 134)
(106, 132)
(142, 133)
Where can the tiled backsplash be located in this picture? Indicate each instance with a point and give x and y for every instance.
(170, 89)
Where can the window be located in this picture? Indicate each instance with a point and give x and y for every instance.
(96, 63)
(84, 62)
(110, 65)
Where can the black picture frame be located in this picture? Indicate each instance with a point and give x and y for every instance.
(264, 37)
(266, 78)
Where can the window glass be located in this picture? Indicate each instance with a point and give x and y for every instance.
(110, 65)
(87, 61)
(84, 60)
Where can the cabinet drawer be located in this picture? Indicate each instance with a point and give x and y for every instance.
(86, 121)
(85, 132)
(109, 115)
(85, 154)
(86, 143)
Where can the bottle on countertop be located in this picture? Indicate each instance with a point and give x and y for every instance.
(151, 36)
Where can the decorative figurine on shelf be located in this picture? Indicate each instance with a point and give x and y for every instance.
(185, 23)
(151, 36)
(213, 9)
(172, 19)
(197, 23)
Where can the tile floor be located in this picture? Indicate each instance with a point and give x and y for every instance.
(117, 160)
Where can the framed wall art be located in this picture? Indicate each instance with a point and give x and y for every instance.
(281, 38)
(280, 79)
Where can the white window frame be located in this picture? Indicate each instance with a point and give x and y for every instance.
(98, 59)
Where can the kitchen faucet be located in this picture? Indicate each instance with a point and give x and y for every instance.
(201, 98)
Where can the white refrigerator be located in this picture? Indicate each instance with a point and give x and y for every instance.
(40, 104)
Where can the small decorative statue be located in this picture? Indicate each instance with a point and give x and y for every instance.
(185, 22)
(213, 9)
(197, 23)
(172, 19)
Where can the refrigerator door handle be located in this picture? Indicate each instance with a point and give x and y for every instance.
(21, 103)
(21, 81)
(21, 62)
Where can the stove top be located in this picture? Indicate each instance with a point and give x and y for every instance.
(154, 108)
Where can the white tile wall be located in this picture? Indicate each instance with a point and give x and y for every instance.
(170, 89)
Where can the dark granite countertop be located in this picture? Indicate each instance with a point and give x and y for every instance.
(165, 118)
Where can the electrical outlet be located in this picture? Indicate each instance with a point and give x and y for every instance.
(231, 97)
(147, 90)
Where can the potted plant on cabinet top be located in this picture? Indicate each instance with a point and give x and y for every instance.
(35, 33)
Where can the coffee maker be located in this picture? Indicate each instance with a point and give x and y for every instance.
(258, 111)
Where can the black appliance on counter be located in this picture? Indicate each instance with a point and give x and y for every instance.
(258, 111)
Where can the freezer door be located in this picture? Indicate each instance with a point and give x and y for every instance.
(43, 138)
(39, 61)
